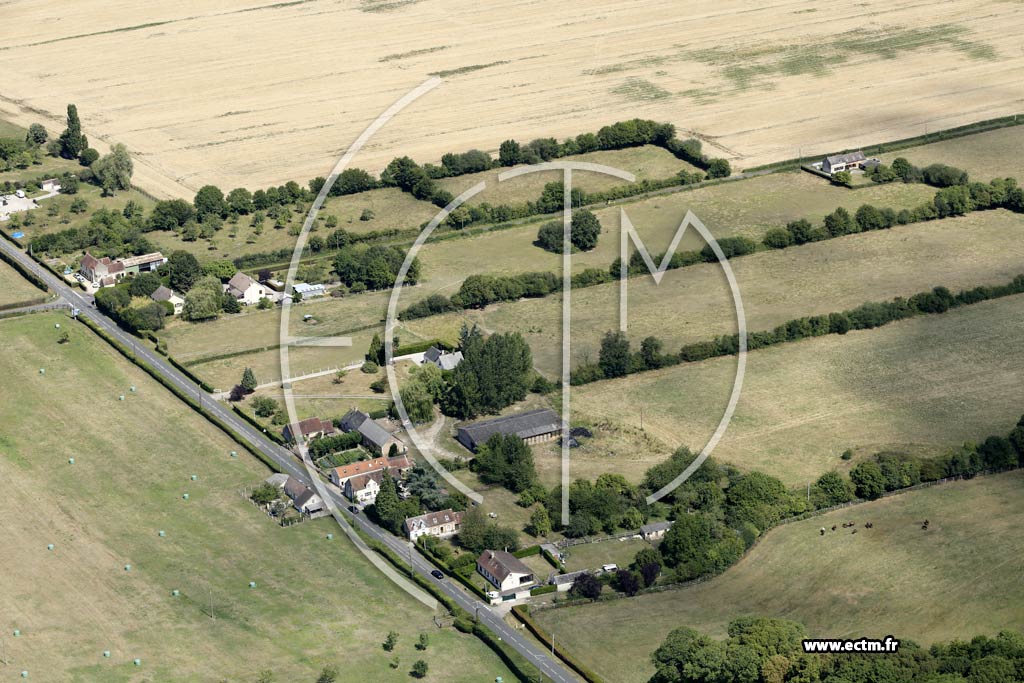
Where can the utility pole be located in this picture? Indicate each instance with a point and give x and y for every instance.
(3, 652)
(210, 588)
(808, 492)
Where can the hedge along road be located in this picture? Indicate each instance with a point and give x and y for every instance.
(284, 460)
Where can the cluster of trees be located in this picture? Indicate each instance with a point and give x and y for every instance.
(373, 267)
(616, 357)
(112, 172)
(495, 372)
(583, 233)
(506, 459)
(477, 533)
(763, 649)
(936, 175)
(129, 304)
(108, 233)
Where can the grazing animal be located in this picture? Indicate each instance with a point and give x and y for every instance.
(833, 527)
(822, 531)
(854, 531)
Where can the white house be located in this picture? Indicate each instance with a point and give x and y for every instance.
(363, 488)
(504, 570)
(162, 293)
(443, 523)
(246, 290)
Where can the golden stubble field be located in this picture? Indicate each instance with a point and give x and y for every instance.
(243, 92)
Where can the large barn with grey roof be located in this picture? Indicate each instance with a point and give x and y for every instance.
(535, 426)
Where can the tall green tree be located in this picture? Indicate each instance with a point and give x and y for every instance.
(248, 380)
(72, 142)
(183, 270)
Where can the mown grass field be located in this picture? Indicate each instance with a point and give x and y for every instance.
(694, 304)
(316, 601)
(926, 384)
(15, 289)
(959, 579)
(748, 207)
(994, 154)
(593, 555)
(648, 162)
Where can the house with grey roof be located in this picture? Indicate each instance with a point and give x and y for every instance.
(655, 530)
(162, 293)
(442, 359)
(504, 570)
(303, 498)
(535, 426)
(245, 289)
(843, 162)
(442, 524)
(374, 437)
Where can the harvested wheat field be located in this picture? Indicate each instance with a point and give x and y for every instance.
(249, 93)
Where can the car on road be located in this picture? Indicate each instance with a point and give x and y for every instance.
(437, 574)
(353, 509)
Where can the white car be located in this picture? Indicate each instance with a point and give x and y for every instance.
(20, 194)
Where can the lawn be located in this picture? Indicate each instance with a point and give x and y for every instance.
(391, 209)
(593, 555)
(647, 162)
(993, 154)
(14, 289)
(133, 462)
(776, 286)
(959, 579)
(925, 384)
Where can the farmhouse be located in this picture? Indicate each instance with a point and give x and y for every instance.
(303, 498)
(310, 428)
(374, 437)
(108, 272)
(654, 531)
(340, 475)
(442, 524)
(50, 185)
(504, 570)
(535, 426)
(165, 294)
(245, 289)
(443, 360)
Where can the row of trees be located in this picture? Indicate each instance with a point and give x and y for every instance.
(478, 291)
(617, 358)
(765, 650)
(719, 511)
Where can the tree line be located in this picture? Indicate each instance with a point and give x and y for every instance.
(719, 512)
(617, 357)
(759, 649)
(478, 291)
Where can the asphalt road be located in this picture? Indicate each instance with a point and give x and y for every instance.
(551, 668)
